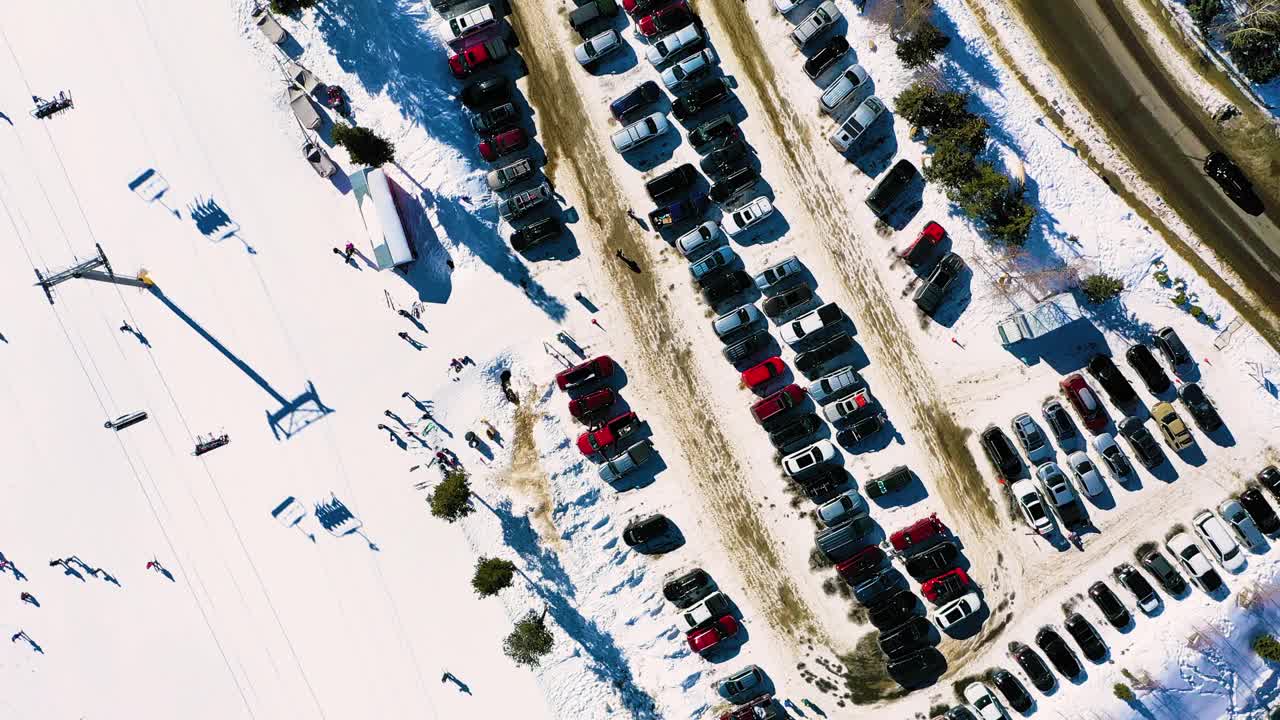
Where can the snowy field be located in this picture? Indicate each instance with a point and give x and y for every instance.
(258, 330)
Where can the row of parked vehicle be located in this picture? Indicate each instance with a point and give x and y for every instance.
(1240, 526)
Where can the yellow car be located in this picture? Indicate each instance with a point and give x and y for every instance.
(1175, 431)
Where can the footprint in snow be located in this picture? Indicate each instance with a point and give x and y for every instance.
(601, 523)
(689, 682)
(613, 543)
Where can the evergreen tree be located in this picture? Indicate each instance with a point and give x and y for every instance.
(451, 499)
(1123, 692)
(931, 109)
(922, 46)
(1267, 647)
(529, 640)
(1204, 12)
(1100, 287)
(980, 194)
(1010, 221)
(363, 145)
(290, 7)
(492, 575)
(955, 151)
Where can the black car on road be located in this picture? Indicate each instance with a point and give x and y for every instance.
(1058, 652)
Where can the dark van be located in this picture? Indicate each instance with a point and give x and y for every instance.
(881, 197)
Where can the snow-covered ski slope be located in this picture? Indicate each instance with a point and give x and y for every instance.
(260, 622)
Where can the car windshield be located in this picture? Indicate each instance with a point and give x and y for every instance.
(650, 126)
(1035, 510)
(742, 217)
(954, 614)
(1084, 467)
(806, 460)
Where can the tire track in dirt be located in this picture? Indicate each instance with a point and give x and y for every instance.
(575, 156)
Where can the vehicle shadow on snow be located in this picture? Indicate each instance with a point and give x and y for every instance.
(552, 584)
(873, 153)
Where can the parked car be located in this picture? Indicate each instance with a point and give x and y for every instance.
(860, 564)
(734, 323)
(742, 686)
(1144, 446)
(784, 303)
(1032, 439)
(849, 84)
(717, 259)
(1170, 345)
(1060, 494)
(798, 463)
(1085, 401)
(698, 98)
(732, 185)
(1112, 455)
(980, 697)
(486, 92)
(948, 585)
(1144, 363)
(811, 361)
(689, 208)
(706, 611)
(1176, 433)
(688, 69)
(790, 436)
(670, 184)
(684, 588)
(855, 406)
(860, 426)
(521, 203)
(877, 585)
(834, 49)
(924, 244)
(841, 509)
(855, 126)
(1000, 451)
(504, 143)
(752, 213)
(930, 562)
(760, 374)
(779, 275)
(1088, 480)
(1162, 570)
(1242, 525)
(640, 8)
(628, 460)
(471, 22)
(1102, 368)
(723, 285)
(589, 13)
(777, 403)
(930, 293)
(536, 232)
(513, 173)
(704, 640)
(476, 57)
(1233, 182)
(892, 610)
(644, 530)
(918, 533)
(1058, 419)
(592, 403)
(894, 480)
(731, 156)
(665, 19)
(1033, 510)
(1200, 406)
(1269, 478)
(888, 188)
(834, 386)
(700, 240)
(822, 17)
(608, 434)
(1130, 579)
(1058, 652)
(1193, 562)
(917, 669)
(738, 351)
(1086, 636)
(957, 611)
(643, 94)
(721, 127)
(665, 48)
(1012, 689)
(1035, 667)
(640, 132)
(806, 328)
(595, 369)
(499, 117)
(1260, 510)
(1215, 536)
(905, 638)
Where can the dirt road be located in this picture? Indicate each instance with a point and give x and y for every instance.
(1102, 55)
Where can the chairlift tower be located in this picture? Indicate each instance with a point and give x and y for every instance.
(89, 270)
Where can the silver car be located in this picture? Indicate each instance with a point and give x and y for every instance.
(742, 686)
(835, 386)
(632, 458)
(847, 85)
(707, 264)
(856, 124)
(596, 47)
(728, 326)
(688, 69)
(1032, 439)
(1242, 524)
(699, 240)
(842, 509)
(823, 17)
(778, 275)
(1087, 477)
(667, 46)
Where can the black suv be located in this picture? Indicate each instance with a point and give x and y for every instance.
(905, 638)
(1012, 689)
(1260, 510)
(538, 231)
(818, 63)
(860, 427)
(1112, 609)
(702, 96)
(688, 588)
(668, 186)
(1269, 477)
(893, 609)
(722, 285)
(1163, 571)
(1132, 580)
(494, 119)
(1034, 666)
(1141, 441)
(1086, 636)
(1200, 407)
(734, 183)
(725, 159)
(487, 92)
(1109, 377)
(811, 361)
(881, 197)
(1171, 346)
(933, 561)
(1141, 360)
(1058, 652)
(1000, 451)
(797, 296)
(721, 127)
(917, 668)
(790, 436)
(1235, 185)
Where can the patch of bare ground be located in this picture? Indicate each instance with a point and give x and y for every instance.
(526, 475)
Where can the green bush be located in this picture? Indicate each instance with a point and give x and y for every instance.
(930, 108)
(1100, 287)
(529, 641)
(922, 46)
(955, 151)
(451, 499)
(1204, 12)
(980, 194)
(363, 145)
(1256, 50)
(289, 7)
(492, 576)
(1267, 647)
(1123, 692)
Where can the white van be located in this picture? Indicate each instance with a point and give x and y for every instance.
(847, 85)
(857, 123)
(471, 22)
(639, 132)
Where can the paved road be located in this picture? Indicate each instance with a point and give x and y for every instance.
(1161, 131)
